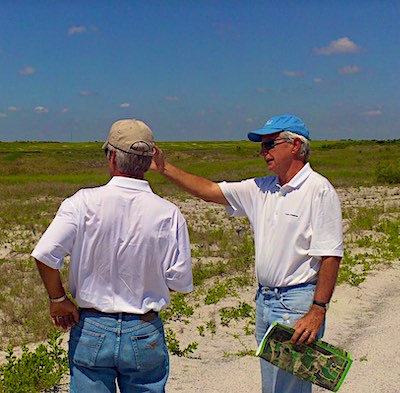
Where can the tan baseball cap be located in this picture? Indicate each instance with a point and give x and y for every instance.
(131, 136)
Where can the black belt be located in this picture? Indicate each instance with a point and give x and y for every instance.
(147, 317)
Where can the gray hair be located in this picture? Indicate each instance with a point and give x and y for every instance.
(130, 163)
(304, 152)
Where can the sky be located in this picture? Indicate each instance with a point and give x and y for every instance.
(198, 70)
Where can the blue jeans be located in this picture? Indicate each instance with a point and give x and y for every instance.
(105, 348)
(271, 306)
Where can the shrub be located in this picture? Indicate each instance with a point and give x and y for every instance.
(34, 371)
(388, 172)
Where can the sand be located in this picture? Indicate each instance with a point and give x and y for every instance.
(363, 320)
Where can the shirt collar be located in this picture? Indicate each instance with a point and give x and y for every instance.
(300, 176)
(297, 180)
(130, 182)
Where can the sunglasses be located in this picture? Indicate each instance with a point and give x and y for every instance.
(268, 145)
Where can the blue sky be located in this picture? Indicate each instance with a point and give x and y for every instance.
(198, 70)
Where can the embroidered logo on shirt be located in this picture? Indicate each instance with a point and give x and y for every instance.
(290, 214)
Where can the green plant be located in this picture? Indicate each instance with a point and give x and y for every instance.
(178, 308)
(217, 292)
(174, 345)
(212, 327)
(34, 371)
(201, 329)
(387, 172)
(243, 310)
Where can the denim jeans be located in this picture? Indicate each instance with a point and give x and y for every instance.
(271, 306)
(105, 348)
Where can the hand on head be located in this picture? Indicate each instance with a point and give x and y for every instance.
(158, 163)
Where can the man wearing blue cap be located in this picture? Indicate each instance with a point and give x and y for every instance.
(297, 223)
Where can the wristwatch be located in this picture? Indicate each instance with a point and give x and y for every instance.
(321, 304)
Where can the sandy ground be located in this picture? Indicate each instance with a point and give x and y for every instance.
(365, 321)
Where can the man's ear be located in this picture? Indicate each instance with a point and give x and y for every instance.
(296, 145)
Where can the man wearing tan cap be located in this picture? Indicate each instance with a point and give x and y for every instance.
(129, 248)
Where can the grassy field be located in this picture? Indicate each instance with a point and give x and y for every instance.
(35, 177)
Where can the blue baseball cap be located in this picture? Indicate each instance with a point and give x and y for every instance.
(280, 123)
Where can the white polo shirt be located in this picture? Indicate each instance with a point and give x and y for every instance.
(294, 225)
(128, 247)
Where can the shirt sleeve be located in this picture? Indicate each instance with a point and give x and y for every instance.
(179, 275)
(327, 239)
(58, 239)
(240, 196)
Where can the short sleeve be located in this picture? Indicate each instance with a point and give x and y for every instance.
(179, 273)
(58, 239)
(240, 196)
(327, 227)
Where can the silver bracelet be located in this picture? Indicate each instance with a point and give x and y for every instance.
(58, 299)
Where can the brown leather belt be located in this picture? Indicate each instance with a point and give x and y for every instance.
(148, 317)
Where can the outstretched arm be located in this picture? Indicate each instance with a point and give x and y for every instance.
(198, 186)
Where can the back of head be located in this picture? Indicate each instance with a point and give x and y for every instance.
(133, 142)
(131, 136)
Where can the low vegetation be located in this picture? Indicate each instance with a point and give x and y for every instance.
(36, 177)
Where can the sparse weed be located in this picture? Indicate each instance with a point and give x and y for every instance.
(174, 344)
(178, 309)
(244, 310)
(212, 327)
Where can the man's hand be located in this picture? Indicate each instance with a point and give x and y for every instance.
(158, 163)
(64, 314)
(307, 328)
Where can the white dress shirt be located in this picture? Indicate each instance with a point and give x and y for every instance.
(294, 225)
(128, 247)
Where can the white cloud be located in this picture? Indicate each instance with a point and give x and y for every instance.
(27, 71)
(293, 74)
(172, 98)
(373, 113)
(3, 115)
(339, 46)
(318, 80)
(12, 108)
(85, 93)
(349, 69)
(76, 30)
(64, 110)
(125, 105)
(41, 109)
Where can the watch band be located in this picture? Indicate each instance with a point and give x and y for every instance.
(58, 299)
(321, 304)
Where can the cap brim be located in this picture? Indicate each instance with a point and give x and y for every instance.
(256, 136)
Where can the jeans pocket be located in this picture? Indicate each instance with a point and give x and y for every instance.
(150, 350)
(84, 346)
(298, 301)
